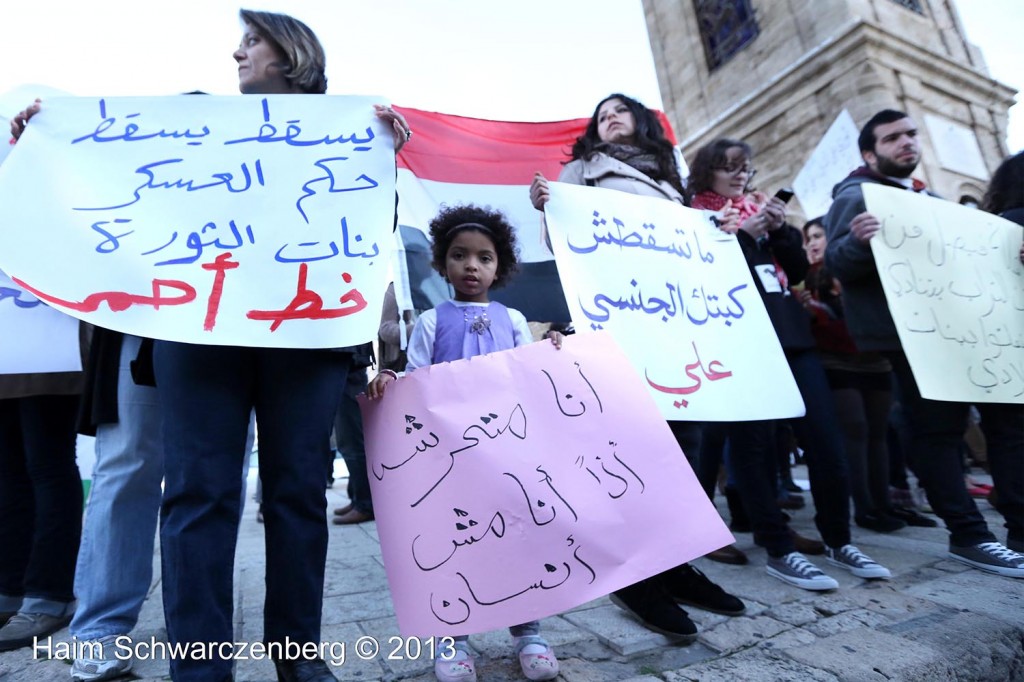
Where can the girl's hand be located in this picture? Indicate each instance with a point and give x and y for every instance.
(20, 119)
(775, 214)
(730, 218)
(756, 225)
(380, 382)
(556, 338)
(539, 191)
(399, 128)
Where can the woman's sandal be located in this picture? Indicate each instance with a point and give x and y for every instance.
(536, 666)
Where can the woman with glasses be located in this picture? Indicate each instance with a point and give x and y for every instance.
(720, 181)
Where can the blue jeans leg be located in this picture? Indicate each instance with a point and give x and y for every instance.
(296, 400)
(207, 393)
(115, 562)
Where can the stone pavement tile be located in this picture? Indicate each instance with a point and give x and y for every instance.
(891, 601)
(995, 596)
(971, 646)
(849, 620)
(867, 654)
(348, 608)
(149, 661)
(385, 631)
(351, 541)
(739, 633)
(794, 613)
(349, 575)
(753, 665)
(789, 639)
(618, 629)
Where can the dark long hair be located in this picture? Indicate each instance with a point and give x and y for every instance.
(709, 157)
(1006, 190)
(649, 136)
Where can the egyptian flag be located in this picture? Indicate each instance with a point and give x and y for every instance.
(457, 160)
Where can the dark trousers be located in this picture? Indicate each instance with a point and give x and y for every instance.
(936, 433)
(348, 433)
(40, 497)
(208, 393)
(752, 463)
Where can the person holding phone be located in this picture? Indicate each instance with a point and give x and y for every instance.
(720, 178)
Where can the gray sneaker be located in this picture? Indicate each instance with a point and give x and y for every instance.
(992, 557)
(856, 562)
(795, 569)
(22, 628)
(97, 660)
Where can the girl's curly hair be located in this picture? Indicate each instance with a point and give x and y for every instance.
(455, 219)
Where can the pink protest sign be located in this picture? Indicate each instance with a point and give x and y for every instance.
(517, 485)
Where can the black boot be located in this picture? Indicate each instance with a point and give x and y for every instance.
(687, 585)
(648, 601)
(739, 521)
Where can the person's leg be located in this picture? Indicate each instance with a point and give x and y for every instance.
(48, 432)
(17, 505)
(115, 562)
(877, 399)
(1003, 426)
(296, 399)
(750, 446)
(826, 462)
(937, 427)
(349, 434)
(849, 409)
(206, 393)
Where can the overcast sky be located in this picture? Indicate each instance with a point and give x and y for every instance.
(521, 60)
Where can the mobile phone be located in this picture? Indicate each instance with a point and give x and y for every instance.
(784, 195)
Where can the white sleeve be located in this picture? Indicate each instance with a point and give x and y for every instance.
(420, 352)
(521, 329)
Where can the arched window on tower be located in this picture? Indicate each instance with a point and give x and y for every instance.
(912, 5)
(726, 27)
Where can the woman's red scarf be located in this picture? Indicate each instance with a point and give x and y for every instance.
(713, 201)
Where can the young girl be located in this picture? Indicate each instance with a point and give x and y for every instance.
(474, 249)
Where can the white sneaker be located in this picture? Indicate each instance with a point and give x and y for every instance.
(992, 557)
(795, 569)
(98, 662)
(856, 562)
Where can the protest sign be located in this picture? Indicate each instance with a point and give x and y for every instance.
(36, 338)
(251, 221)
(832, 160)
(516, 485)
(955, 286)
(677, 295)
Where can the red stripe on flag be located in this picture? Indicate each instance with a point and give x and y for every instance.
(457, 149)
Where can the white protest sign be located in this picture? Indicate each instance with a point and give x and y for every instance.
(36, 338)
(955, 286)
(832, 160)
(677, 295)
(250, 221)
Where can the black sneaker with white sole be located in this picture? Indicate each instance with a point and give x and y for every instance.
(795, 569)
(992, 557)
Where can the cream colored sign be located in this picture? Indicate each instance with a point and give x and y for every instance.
(955, 285)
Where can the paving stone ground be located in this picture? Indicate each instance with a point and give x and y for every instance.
(935, 620)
